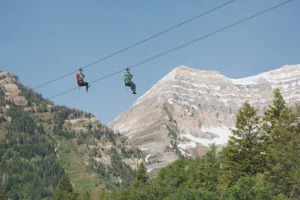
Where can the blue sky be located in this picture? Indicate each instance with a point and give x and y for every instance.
(40, 40)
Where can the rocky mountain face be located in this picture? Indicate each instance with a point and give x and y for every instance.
(91, 154)
(189, 109)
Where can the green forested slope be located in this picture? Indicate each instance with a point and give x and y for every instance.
(40, 142)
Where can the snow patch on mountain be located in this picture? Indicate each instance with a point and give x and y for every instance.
(284, 74)
(147, 157)
(222, 135)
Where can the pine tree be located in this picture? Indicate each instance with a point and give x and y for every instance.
(141, 176)
(204, 172)
(282, 148)
(212, 168)
(242, 156)
(273, 112)
(272, 115)
(65, 190)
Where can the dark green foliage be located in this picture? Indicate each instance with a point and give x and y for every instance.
(81, 139)
(248, 188)
(131, 152)
(65, 190)
(283, 163)
(99, 168)
(205, 173)
(242, 156)
(28, 163)
(85, 196)
(183, 179)
(9, 102)
(42, 107)
(117, 175)
(176, 181)
(22, 122)
(274, 111)
(67, 134)
(120, 169)
(2, 99)
(151, 191)
(175, 175)
(167, 108)
(192, 194)
(2, 119)
(121, 173)
(2, 102)
(110, 135)
(141, 176)
(61, 116)
(1, 94)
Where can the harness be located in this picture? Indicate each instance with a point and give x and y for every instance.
(79, 78)
(127, 77)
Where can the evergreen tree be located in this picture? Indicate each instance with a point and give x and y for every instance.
(248, 188)
(141, 176)
(272, 115)
(29, 167)
(242, 155)
(281, 141)
(204, 173)
(273, 112)
(283, 162)
(65, 190)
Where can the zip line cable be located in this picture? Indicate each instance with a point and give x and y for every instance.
(181, 46)
(138, 43)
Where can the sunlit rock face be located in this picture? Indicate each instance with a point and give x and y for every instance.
(189, 109)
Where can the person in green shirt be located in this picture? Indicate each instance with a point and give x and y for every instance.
(127, 77)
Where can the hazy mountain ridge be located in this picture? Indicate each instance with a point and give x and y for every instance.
(189, 109)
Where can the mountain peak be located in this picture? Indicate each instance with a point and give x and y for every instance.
(189, 109)
(183, 68)
(184, 73)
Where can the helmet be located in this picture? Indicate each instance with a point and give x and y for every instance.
(127, 69)
(80, 69)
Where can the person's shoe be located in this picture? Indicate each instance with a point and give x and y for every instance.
(133, 92)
